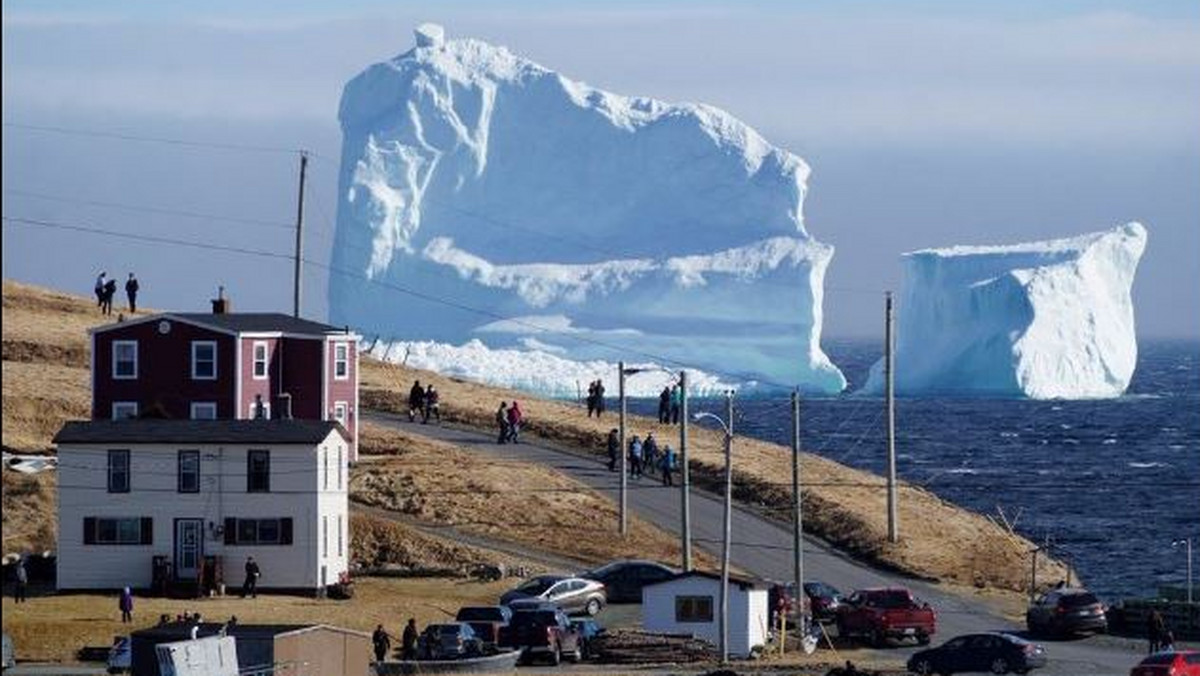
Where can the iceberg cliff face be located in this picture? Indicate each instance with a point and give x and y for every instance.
(614, 226)
(1042, 320)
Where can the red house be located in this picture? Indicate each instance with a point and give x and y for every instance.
(226, 365)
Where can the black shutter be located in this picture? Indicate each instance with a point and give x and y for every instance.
(285, 531)
(89, 530)
(147, 530)
(230, 530)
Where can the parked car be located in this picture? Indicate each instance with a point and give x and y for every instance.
(883, 613)
(486, 621)
(588, 630)
(997, 653)
(823, 600)
(449, 641)
(543, 631)
(1181, 663)
(623, 580)
(120, 655)
(9, 658)
(1066, 611)
(572, 594)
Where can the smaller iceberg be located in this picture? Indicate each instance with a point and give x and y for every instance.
(1043, 320)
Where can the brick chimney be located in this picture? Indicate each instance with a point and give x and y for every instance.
(221, 305)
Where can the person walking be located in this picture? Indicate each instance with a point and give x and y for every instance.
(1156, 628)
(431, 405)
(502, 423)
(110, 290)
(635, 457)
(131, 292)
(667, 464)
(650, 453)
(408, 641)
(101, 282)
(126, 606)
(382, 642)
(664, 405)
(614, 447)
(22, 581)
(515, 418)
(250, 586)
(676, 402)
(416, 401)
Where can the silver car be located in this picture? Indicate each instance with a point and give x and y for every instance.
(574, 595)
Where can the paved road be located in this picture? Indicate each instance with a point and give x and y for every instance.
(763, 548)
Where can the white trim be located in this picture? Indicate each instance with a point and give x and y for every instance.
(113, 365)
(198, 343)
(266, 360)
(345, 412)
(353, 450)
(195, 404)
(346, 345)
(118, 404)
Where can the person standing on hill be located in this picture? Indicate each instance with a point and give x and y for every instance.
(614, 447)
(650, 453)
(126, 606)
(676, 402)
(591, 398)
(131, 292)
(101, 281)
(110, 290)
(408, 641)
(382, 642)
(667, 463)
(22, 580)
(514, 422)
(664, 405)
(502, 423)
(416, 401)
(431, 405)
(599, 398)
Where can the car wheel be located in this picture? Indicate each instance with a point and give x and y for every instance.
(999, 666)
(923, 667)
(593, 607)
(923, 639)
(556, 656)
(577, 656)
(878, 639)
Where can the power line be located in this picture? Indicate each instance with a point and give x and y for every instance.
(153, 210)
(121, 136)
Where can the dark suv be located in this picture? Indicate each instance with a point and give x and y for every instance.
(1066, 611)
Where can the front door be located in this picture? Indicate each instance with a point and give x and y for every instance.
(189, 548)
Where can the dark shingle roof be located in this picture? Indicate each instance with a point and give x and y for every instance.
(150, 431)
(243, 322)
(179, 631)
(739, 581)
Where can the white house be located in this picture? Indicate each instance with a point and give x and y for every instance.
(132, 490)
(689, 603)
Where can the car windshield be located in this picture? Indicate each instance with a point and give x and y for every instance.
(480, 615)
(448, 629)
(537, 585)
(1078, 600)
(892, 599)
(534, 618)
(1159, 658)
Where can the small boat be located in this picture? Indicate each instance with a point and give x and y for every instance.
(501, 662)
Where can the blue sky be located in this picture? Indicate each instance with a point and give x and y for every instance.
(925, 123)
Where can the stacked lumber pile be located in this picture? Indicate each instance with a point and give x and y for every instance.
(639, 647)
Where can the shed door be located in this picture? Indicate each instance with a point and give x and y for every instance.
(189, 548)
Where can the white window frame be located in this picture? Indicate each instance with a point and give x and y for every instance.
(265, 361)
(344, 360)
(266, 410)
(196, 344)
(117, 405)
(116, 345)
(341, 539)
(340, 465)
(197, 405)
(325, 462)
(344, 418)
(325, 537)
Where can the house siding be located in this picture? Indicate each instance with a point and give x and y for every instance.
(268, 387)
(301, 362)
(747, 612)
(164, 374)
(344, 390)
(296, 493)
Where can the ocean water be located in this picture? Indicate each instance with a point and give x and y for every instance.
(1108, 484)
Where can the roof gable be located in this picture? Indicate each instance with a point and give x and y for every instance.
(740, 582)
(155, 431)
(235, 323)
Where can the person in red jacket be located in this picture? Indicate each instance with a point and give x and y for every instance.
(514, 422)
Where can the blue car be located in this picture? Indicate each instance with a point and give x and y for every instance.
(996, 653)
(588, 630)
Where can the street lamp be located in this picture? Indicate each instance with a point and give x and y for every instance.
(728, 428)
(1187, 542)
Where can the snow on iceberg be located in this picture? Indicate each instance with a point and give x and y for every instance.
(671, 232)
(1045, 320)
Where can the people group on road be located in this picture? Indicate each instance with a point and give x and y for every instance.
(509, 419)
(670, 400)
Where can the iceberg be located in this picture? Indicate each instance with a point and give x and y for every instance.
(483, 197)
(1043, 320)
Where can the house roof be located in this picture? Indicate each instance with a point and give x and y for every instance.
(173, 631)
(238, 322)
(151, 431)
(741, 582)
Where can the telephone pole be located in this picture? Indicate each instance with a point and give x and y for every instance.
(797, 511)
(685, 487)
(296, 277)
(622, 451)
(728, 528)
(889, 362)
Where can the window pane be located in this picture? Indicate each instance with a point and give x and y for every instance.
(268, 531)
(118, 471)
(125, 360)
(204, 360)
(258, 475)
(106, 531)
(247, 531)
(129, 531)
(189, 471)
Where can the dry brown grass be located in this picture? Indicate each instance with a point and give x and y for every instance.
(30, 522)
(843, 505)
(40, 626)
(439, 483)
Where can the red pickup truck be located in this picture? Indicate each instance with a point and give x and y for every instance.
(883, 613)
(542, 631)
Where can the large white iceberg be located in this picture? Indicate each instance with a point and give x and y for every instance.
(485, 197)
(1045, 320)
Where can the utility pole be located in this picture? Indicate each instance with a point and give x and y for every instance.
(1033, 574)
(623, 452)
(890, 369)
(684, 481)
(728, 527)
(299, 237)
(797, 513)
